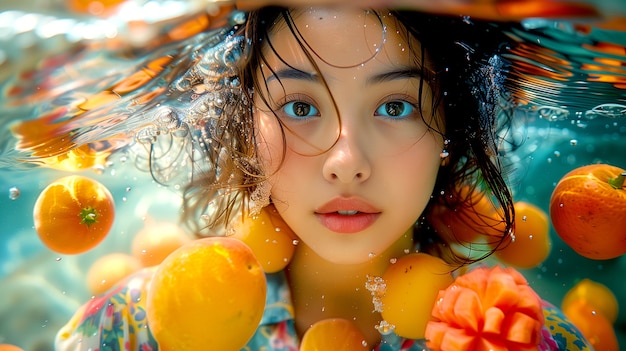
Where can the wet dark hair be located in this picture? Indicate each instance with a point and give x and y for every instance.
(468, 79)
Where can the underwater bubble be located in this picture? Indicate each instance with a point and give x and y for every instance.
(573, 142)
(14, 193)
(295, 242)
(98, 169)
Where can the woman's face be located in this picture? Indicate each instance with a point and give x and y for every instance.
(360, 162)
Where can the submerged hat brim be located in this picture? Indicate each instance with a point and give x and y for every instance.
(569, 61)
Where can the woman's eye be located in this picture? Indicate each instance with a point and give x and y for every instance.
(300, 109)
(395, 109)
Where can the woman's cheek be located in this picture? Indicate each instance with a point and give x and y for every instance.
(269, 141)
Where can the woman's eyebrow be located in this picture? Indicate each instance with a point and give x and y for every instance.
(292, 73)
(403, 73)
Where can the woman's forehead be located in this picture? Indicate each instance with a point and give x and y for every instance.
(343, 37)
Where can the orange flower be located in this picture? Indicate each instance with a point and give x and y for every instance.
(486, 309)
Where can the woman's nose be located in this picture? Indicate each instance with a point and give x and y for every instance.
(347, 161)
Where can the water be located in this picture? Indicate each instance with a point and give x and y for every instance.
(40, 290)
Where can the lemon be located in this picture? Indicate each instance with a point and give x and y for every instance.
(208, 294)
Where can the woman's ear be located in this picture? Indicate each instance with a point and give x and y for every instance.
(445, 155)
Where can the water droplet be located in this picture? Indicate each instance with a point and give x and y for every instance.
(371, 255)
(524, 218)
(128, 189)
(393, 260)
(58, 259)
(295, 242)
(14, 193)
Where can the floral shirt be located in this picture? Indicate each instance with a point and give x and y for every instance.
(117, 321)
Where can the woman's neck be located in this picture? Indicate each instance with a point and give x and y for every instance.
(322, 289)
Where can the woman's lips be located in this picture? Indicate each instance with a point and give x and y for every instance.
(347, 215)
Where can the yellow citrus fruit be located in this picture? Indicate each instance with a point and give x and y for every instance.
(333, 334)
(597, 295)
(269, 237)
(156, 240)
(532, 238)
(412, 285)
(208, 293)
(594, 326)
(108, 270)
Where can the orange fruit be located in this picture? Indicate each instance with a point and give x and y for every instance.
(73, 214)
(596, 295)
(464, 217)
(333, 334)
(269, 237)
(9, 347)
(156, 240)
(532, 238)
(594, 326)
(209, 292)
(412, 285)
(94, 7)
(588, 211)
(108, 270)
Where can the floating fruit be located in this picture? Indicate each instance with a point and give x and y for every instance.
(531, 245)
(412, 285)
(108, 270)
(486, 309)
(333, 334)
(269, 237)
(594, 326)
(588, 211)
(9, 347)
(465, 216)
(94, 7)
(210, 291)
(596, 295)
(73, 214)
(156, 240)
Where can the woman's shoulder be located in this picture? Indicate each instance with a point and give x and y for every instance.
(561, 331)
